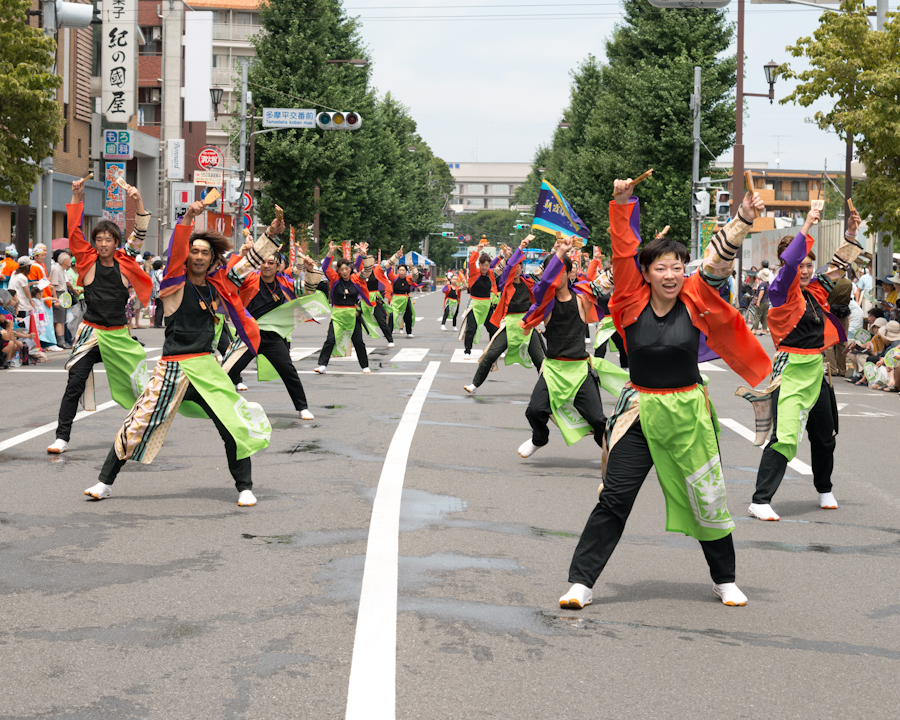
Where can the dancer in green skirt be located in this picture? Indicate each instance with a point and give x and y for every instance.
(516, 296)
(664, 418)
(800, 394)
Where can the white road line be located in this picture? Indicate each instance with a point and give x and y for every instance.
(709, 367)
(301, 353)
(798, 465)
(410, 355)
(359, 372)
(372, 694)
(841, 406)
(6, 444)
(459, 356)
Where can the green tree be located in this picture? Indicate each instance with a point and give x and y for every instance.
(30, 119)
(632, 113)
(372, 185)
(859, 69)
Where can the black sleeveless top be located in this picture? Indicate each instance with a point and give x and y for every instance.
(401, 286)
(269, 297)
(106, 297)
(662, 351)
(565, 331)
(521, 300)
(809, 334)
(481, 288)
(191, 329)
(372, 282)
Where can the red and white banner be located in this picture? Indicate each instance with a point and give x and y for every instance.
(345, 246)
(293, 248)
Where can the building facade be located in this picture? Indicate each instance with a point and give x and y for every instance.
(485, 185)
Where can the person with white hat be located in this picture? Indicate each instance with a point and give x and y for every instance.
(884, 369)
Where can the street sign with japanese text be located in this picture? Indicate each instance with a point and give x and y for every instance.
(118, 60)
(288, 118)
(117, 145)
(209, 157)
(208, 177)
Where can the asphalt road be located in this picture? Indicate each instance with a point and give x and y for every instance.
(168, 601)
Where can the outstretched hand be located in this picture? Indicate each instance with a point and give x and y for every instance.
(564, 245)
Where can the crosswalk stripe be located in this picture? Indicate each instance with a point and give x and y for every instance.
(459, 356)
(798, 465)
(410, 355)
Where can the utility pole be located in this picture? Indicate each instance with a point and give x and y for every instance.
(883, 253)
(239, 206)
(696, 220)
(44, 214)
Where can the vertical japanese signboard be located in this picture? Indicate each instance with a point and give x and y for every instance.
(114, 202)
(118, 66)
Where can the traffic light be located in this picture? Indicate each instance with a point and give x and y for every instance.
(522, 226)
(339, 120)
(723, 204)
(700, 202)
(233, 190)
(448, 234)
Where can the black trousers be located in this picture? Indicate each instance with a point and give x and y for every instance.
(78, 376)
(587, 402)
(277, 351)
(240, 469)
(447, 314)
(356, 339)
(498, 346)
(628, 465)
(617, 340)
(472, 328)
(158, 313)
(381, 317)
(821, 429)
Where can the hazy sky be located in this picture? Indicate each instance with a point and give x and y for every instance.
(489, 79)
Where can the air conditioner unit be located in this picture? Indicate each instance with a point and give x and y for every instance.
(155, 95)
(155, 34)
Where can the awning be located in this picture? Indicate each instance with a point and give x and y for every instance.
(415, 258)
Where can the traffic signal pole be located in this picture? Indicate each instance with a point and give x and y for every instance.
(696, 220)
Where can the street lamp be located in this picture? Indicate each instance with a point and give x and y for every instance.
(564, 126)
(215, 95)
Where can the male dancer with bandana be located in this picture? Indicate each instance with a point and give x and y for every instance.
(187, 378)
(104, 271)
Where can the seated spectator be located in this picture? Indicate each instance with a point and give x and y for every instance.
(860, 353)
(9, 342)
(883, 377)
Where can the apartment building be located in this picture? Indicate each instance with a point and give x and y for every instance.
(71, 155)
(485, 185)
(236, 21)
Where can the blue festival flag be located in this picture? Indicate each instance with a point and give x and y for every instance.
(553, 214)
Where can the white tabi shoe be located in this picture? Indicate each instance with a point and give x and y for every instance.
(470, 389)
(321, 370)
(410, 335)
(366, 371)
(762, 512)
(240, 387)
(100, 491)
(827, 501)
(390, 344)
(578, 596)
(58, 446)
(444, 328)
(527, 448)
(454, 328)
(306, 415)
(246, 499)
(730, 594)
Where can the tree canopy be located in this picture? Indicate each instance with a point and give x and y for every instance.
(859, 69)
(381, 181)
(632, 113)
(30, 120)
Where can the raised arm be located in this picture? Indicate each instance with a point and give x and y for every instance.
(726, 243)
(141, 223)
(262, 249)
(83, 251)
(625, 230)
(515, 260)
(792, 257)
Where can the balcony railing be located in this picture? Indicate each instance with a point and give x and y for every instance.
(792, 195)
(234, 31)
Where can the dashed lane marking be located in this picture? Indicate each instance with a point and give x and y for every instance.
(410, 355)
